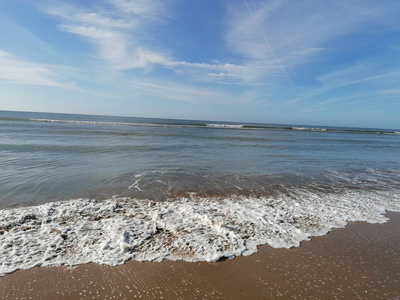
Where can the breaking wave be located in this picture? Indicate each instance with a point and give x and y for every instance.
(193, 229)
(309, 129)
(225, 125)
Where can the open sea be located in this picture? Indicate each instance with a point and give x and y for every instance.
(81, 188)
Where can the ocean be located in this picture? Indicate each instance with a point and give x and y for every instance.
(82, 188)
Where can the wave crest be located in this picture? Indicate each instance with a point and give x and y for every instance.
(225, 125)
(309, 129)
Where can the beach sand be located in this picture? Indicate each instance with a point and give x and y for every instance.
(361, 261)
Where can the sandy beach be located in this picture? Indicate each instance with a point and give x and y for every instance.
(361, 261)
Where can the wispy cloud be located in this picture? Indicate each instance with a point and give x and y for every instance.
(383, 104)
(115, 48)
(297, 30)
(390, 92)
(16, 71)
(90, 18)
(189, 93)
(220, 75)
(114, 32)
(179, 92)
(146, 8)
(342, 79)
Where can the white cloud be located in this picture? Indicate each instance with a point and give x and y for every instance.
(115, 32)
(144, 8)
(115, 48)
(220, 75)
(74, 15)
(17, 71)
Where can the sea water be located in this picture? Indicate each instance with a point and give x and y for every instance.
(79, 188)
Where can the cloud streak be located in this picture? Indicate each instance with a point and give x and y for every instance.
(16, 71)
(268, 44)
(179, 92)
(304, 32)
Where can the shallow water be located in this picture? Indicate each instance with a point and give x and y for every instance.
(150, 189)
(51, 157)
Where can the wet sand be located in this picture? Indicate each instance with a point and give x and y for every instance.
(361, 261)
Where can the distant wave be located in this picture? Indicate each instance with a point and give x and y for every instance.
(225, 125)
(109, 123)
(369, 131)
(309, 129)
(216, 125)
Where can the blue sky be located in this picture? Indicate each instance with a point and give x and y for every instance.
(294, 62)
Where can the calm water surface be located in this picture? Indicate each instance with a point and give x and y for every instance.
(50, 157)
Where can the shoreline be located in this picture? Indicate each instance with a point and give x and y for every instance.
(361, 261)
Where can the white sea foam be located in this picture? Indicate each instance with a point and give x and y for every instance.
(309, 129)
(193, 229)
(225, 125)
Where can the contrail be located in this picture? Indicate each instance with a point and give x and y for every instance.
(269, 46)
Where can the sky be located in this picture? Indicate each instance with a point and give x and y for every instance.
(332, 62)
